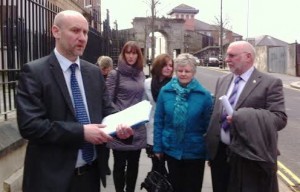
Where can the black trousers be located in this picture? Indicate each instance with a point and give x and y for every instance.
(186, 175)
(220, 169)
(88, 180)
(126, 166)
(106, 152)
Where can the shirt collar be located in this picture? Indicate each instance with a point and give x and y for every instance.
(64, 62)
(245, 76)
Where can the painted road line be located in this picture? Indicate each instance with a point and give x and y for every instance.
(285, 178)
(288, 177)
(289, 172)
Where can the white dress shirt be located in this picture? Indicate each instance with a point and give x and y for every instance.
(225, 136)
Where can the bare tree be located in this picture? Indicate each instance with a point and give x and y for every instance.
(221, 25)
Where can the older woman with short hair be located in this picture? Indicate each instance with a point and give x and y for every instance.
(181, 119)
(105, 64)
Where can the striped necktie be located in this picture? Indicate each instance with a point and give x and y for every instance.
(231, 100)
(81, 114)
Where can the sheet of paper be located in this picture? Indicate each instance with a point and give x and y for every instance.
(226, 104)
(132, 116)
(225, 136)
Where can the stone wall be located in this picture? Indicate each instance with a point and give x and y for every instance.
(66, 5)
(172, 29)
(291, 60)
(261, 60)
(12, 152)
(193, 41)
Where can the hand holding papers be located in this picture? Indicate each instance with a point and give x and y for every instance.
(225, 136)
(134, 115)
(226, 104)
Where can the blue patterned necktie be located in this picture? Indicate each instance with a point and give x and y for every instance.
(81, 114)
(231, 100)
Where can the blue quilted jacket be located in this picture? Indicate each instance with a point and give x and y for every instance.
(192, 145)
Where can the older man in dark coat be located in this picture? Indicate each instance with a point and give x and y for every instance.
(243, 157)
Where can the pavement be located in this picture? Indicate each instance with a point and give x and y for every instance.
(145, 163)
(145, 167)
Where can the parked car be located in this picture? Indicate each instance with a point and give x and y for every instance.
(197, 62)
(212, 62)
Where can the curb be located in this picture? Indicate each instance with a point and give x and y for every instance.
(295, 85)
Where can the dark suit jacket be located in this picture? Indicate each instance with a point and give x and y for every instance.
(261, 91)
(46, 118)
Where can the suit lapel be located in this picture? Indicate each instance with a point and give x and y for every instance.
(60, 80)
(225, 83)
(252, 82)
(90, 92)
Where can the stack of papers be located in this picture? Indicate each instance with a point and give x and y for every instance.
(227, 106)
(131, 116)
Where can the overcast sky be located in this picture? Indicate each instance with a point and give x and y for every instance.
(277, 18)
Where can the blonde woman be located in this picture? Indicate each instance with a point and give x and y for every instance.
(181, 119)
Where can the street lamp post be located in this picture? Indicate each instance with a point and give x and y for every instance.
(152, 30)
(221, 38)
(247, 19)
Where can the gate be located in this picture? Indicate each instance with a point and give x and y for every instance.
(24, 36)
(277, 60)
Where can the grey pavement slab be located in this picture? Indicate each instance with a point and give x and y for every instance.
(145, 166)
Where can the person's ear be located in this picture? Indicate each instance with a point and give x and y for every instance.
(55, 31)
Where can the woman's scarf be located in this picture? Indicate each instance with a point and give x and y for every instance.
(181, 107)
(129, 70)
(156, 85)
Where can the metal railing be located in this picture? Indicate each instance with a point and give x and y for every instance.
(25, 35)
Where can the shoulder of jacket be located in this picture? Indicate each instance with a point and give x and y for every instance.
(38, 62)
(113, 73)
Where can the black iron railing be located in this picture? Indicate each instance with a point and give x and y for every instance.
(25, 35)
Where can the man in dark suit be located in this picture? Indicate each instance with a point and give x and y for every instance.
(243, 146)
(47, 118)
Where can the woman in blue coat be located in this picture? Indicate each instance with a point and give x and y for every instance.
(181, 118)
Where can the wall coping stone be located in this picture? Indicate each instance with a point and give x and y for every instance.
(10, 138)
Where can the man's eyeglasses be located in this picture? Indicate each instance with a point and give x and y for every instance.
(231, 55)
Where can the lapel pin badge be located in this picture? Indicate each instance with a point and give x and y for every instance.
(254, 81)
